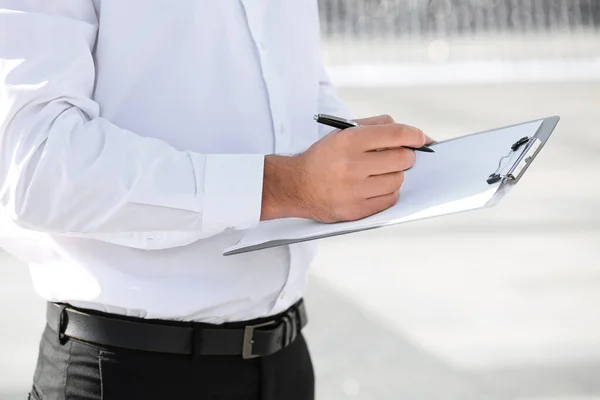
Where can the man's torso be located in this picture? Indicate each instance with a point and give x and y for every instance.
(206, 76)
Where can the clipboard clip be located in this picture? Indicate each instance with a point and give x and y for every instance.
(514, 171)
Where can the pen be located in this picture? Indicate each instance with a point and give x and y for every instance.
(341, 123)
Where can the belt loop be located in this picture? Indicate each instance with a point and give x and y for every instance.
(61, 324)
(287, 331)
(295, 325)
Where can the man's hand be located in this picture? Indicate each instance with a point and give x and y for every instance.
(342, 177)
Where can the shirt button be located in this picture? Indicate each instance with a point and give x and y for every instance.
(262, 45)
(282, 295)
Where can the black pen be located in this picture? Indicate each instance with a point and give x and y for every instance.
(341, 123)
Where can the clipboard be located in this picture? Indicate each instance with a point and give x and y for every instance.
(469, 172)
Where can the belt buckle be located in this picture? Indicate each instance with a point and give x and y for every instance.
(249, 339)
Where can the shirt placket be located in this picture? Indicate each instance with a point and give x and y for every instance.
(255, 15)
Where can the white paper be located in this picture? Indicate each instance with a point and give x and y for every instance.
(451, 180)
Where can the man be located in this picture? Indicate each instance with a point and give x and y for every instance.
(138, 138)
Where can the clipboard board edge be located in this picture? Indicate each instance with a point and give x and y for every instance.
(498, 129)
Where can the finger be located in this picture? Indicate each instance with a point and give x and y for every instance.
(429, 140)
(378, 137)
(380, 185)
(392, 160)
(381, 203)
(376, 120)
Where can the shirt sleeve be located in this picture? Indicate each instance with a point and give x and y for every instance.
(330, 102)
(64, 169)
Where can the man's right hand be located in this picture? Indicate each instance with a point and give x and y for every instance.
(342, 177)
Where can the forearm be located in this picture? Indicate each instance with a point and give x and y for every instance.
(282, 195)
(93, 177)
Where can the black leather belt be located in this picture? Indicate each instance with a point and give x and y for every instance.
(256, 339)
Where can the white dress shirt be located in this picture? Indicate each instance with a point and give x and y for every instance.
(132, 143)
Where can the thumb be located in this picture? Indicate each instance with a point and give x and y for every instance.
(385, 119)
(375, 120)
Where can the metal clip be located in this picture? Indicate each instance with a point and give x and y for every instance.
(496, 176)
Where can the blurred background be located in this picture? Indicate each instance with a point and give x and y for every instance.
(495, 304)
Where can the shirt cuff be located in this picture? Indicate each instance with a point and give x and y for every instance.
(232, 191)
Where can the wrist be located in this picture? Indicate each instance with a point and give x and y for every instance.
(283, 183)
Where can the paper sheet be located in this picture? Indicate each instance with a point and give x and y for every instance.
(453, 179)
